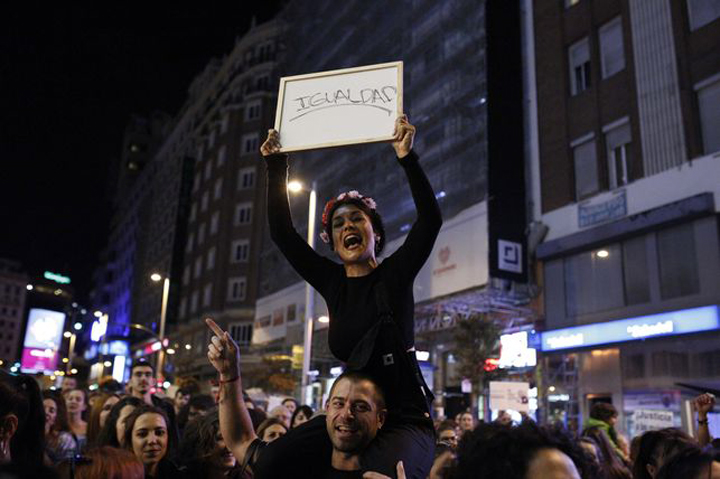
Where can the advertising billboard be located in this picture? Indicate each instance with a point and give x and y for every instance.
(42, 340)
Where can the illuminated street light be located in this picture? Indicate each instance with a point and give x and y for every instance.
(97, 314)
(29, 287)
(73, 371)
(295, 187)
(77, 326)
(107, 364)
(170, 351)
(67, 334)
(155, 277)
(323, 319)
(603, 253)
(188, 347)
(66, 360)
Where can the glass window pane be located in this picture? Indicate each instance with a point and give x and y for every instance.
(586, 175)
(612, 56)
(637, 284)
(678, 263)
(709, 103)
(702, 12)
(594, 281)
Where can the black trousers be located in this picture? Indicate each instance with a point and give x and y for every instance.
(306, 451)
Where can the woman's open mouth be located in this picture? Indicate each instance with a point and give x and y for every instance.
(352, 241)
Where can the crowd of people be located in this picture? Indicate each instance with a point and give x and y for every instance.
(377, 420)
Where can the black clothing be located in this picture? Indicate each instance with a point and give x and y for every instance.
(333, 473)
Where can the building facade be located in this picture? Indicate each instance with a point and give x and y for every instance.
(13, 282)
(624, 129)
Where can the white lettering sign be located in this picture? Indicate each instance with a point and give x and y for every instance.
(566, 341)
(649, 420)
(645, 330)
(509, 395)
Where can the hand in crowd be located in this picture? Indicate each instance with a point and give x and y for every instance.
(704, 403)
(272, 145)
(377, 475)
(223, 353)
(404, 135)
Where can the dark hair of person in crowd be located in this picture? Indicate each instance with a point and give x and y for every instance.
(198, 404)
(375, 218)
(603, 411)
(22, 422)
(203, 451)
(267, 424)
(690, 463)
(103, 463)
(257, 416)
(656, 447)
(610, 463)
(108, 434)
(494, 451)
(304, 412)
(94, 427)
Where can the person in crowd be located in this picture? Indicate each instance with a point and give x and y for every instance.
(447, 434)
(370, 303)
(691, 463)
(290, 403)
(142, 381)
(99, 414)
(68, 384)
(109, 385)
(113, 432)
(527, 451)
(604, 416)
(22, 428)
(182, 397)
(504, 418)
(196, 407)
(77, 403)
(656, 448)
(301, 415)
(203, 451)
(591, 448)
(104, 463)
(467, 422)
(59, 443)
(355, 413)
(611, 464)
(703, 404)
(271, 429)
(148, 437)
(281, 413)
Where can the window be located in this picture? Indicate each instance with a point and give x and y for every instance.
(183, 308)
(204, 201)
(702, 12)
(201, 234)
(579, 59)
(189, 245)
(198, 267)
(194, 302)
(214, 223)
(196, 183)
(617, 142)
(236, 288)
(217, 193)
(211, 138)
(224, 122)
(291, 312)
(252, 110)
(243, 213)
(708, 93)
(262, 82)
(208, 170)
(221, 156)
(240, 251)
(200, 153)
(635, 271)
(207, 295)
(246, 178)
(612, 56)
(242, 333)
(210, 263)
(186, 276)
(249, 144)
(193, 212)
(586, 171)
(594, 281)
(678, 262)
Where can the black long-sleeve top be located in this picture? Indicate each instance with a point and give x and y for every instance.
(351, 300)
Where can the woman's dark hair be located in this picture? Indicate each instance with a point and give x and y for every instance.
(198, 443)
(305, 409)
(204, 402)
(20, 395)
(375, 220)
(656, 445)
(690, 462)
(610, 462)
(108, 434)
(497, 451)
(61, 420)
(603, 411)
(133, 417)
(271, 421)
(104, 462)
(93, 428)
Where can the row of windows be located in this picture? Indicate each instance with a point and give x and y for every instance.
(612, 56)
(673, 363)
(245, 180)
(236, 291)
(239, 253)
(242, 333)
(11, 312)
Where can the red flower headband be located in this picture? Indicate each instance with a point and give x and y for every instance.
(367, 201)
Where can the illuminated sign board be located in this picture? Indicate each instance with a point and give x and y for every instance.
(58, 278)
(685, 321)
(42, 340)
(514, 351)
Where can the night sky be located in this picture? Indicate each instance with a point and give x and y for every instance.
(69, 80)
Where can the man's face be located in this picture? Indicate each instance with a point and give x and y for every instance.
(68, 384)
(467, 422)
(142, 379)
(353, 417)
(448, 436)
(181, 399)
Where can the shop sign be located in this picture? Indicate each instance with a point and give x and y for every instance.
(514, 351)
(591, 212)
(684, 321)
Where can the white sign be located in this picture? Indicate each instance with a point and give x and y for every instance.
(339, 107)
(510, 256)
(509, 395)
(651, 420)
(514, 351)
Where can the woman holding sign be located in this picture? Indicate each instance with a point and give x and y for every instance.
(370, 303)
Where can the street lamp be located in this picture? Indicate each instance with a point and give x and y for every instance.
(295, 187)
(156, 277)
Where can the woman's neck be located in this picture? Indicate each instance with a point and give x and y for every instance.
(355, 270)
(152, 469)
